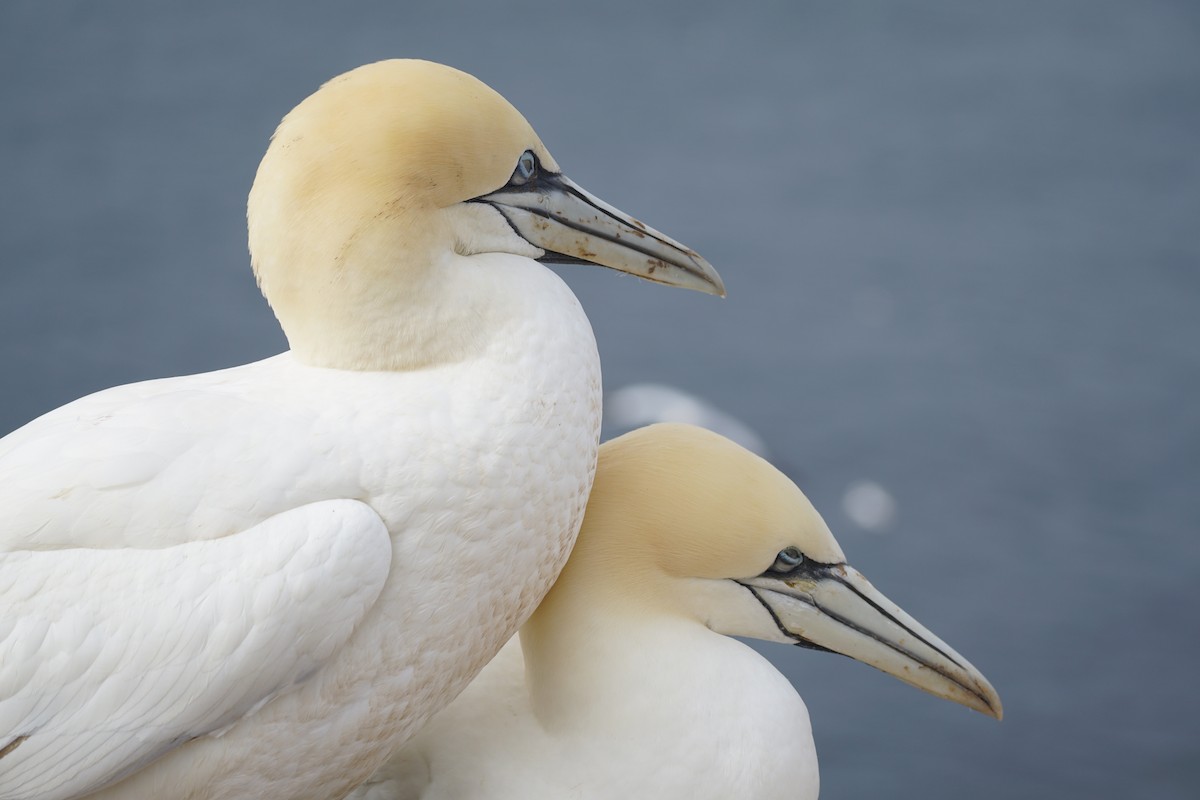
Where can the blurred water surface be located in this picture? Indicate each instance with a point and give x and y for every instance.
(961, 244)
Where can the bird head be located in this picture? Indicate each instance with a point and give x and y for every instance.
(374, 185)
(685, 522)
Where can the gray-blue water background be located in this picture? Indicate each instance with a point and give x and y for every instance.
(961, 243)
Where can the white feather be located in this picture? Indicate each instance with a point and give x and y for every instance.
(114, 656)
(124, 514)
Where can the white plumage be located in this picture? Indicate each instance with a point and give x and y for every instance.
(202, 578)
(258, 582)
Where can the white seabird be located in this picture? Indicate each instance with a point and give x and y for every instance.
(258, 582)
(624, 683)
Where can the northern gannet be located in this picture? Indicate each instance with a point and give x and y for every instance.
(258, 582)
(624, 683)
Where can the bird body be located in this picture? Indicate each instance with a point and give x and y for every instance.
(502, 446)
(625, 683)
(659, 710)
(259, 582)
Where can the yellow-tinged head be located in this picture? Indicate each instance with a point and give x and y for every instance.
(683, 523)
(688, 503)
(390, 136)
(373, 185)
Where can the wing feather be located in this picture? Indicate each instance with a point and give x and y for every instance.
(113, 657)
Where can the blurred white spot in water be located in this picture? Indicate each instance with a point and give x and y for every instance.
(869, 505)
(646, 403)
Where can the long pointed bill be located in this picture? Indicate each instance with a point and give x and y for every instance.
(573, 226)
(833, 607)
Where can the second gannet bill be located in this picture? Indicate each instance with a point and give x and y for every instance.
(624, 682)
(259, 582)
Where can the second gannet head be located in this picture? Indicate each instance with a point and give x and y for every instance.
(684, 523)
(376, 187)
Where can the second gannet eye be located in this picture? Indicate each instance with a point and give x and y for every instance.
(527, 166)
(788, 559)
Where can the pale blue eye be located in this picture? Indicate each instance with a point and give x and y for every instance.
(788, 559)
(526, 168)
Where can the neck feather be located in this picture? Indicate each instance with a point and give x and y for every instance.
(391, 297)
(601, 621)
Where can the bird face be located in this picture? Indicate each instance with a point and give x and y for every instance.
(831, 606)
(735, 544)
(418, 160)
(568, 225)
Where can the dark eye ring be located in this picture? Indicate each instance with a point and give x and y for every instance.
(788, 559)
(527, 166)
